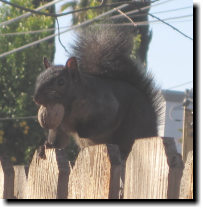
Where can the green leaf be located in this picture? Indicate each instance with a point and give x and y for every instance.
(18, 74)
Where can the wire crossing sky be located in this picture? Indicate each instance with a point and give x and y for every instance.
(170, 55)
(173, 67)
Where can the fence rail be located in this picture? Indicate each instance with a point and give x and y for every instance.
(153, 170)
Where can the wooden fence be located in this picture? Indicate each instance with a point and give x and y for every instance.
(153, 170)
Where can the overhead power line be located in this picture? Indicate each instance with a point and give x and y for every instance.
(142, 9)
(72, 28)
(180, 85)
(152, 15)
(173, 10)
(103, 4)
(18, 118)
(28, 13)
(30, 32)
(154, 21)
(137, 23)
(69, 29)
(77, 26)
(159, 12)
(171, 26)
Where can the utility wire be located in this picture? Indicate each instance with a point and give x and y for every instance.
(182, 21)
(49, 4)
(173, 10)
(28, 13)
(159, 12)
(103, 4)
(31, 32)
(138, 23)
(142, 9)
(19, 118)
(182, 84)
(69, 29)
(153, 21)
(171, 26)
(74, 27)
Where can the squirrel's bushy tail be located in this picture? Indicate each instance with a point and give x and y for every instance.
(101, 49)
(105, 50)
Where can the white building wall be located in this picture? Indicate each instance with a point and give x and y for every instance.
(174, 123)
(173, 116)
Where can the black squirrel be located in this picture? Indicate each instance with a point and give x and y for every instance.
(108, 97)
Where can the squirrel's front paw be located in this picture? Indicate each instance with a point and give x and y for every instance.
(41, 152)
(41, 149)
(48, 145)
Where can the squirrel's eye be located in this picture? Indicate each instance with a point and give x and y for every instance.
(61, 82)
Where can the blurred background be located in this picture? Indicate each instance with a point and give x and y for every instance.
(164, 44)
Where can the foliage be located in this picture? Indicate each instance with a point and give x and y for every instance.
(18, 71)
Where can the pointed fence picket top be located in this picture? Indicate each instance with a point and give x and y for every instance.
(153, 170)
(48, 178)
(96, 174)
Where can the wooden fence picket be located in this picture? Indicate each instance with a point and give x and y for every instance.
(186, 187)
(96, 174)
(153, 170)
(6, 179)
(48, 178)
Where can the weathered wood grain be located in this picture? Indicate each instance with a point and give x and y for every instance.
(6, 179)
(186, 186)
(96, 173)
(187, 144)
(20, 181)
(48, 178)
(153, 170)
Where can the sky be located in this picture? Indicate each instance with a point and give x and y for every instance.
(170, 55)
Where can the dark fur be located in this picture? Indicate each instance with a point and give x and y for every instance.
(108, 98)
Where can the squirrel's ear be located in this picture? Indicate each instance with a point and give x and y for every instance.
(72, 67)
(72, 64)
(46, 63)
